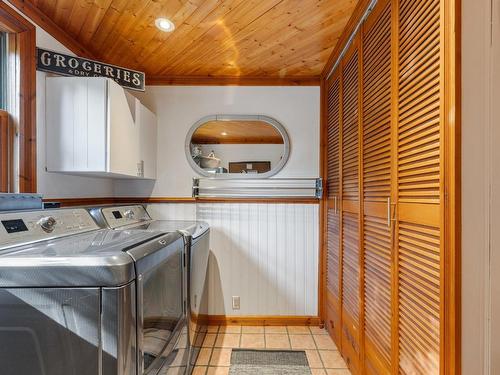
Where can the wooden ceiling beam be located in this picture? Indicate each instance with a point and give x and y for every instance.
(231, 81)
(39, 18)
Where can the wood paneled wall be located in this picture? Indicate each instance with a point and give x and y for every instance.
(390, 296)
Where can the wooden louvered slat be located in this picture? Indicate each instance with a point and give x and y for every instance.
(377, 110)
(419, 298)
(350, 291)
(350, 265)
(377, 248)
(419, 186)
(350, 226)
(376, 120)
(419, 105)
(333, 318)
(350, 136)
(333, 261)
(333, 138)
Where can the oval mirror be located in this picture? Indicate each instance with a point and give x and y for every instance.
(237, 146)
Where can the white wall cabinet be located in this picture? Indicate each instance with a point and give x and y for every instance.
(94, 127)
(147, 126)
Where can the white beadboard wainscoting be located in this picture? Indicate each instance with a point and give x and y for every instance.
(267, 254)
(173, 211)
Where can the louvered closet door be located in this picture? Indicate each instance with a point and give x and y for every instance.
(376, 119)
(333, 281)
(350, 208)
(419, 184)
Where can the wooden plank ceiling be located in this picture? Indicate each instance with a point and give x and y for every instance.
(213, 38)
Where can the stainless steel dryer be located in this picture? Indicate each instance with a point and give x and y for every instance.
(79, 300)
(197, 240)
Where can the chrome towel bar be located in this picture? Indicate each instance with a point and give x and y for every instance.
(221, 187)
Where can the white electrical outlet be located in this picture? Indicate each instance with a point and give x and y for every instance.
(236, 302)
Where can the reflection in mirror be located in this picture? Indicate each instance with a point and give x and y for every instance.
(239, 145)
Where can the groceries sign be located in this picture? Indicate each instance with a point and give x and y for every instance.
(59, 63)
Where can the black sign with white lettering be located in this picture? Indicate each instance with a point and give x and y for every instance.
(59, 63)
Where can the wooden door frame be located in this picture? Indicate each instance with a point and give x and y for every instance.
(25, 36)
(453, 181)
(5, 149)
(323, 206)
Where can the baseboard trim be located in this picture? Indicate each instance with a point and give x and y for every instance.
(264, 320)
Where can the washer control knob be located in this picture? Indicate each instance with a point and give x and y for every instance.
(47, 223)
(129, 214)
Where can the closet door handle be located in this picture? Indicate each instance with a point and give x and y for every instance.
(335, 210)
(389, 212)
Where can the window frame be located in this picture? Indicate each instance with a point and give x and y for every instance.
(23, 32)
(3, 68)
(5, 149)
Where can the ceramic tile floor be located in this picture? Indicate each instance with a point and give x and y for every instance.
(322, 354)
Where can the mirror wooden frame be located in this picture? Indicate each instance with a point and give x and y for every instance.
(269, 120)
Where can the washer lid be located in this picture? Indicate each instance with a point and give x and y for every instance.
(85, 260)
(194, 228)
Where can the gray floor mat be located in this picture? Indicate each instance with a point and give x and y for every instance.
(269, 362)
(269, 370)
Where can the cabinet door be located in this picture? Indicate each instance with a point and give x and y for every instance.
(350, 208)
(123, 133)
(75, 124)
(377, 255)
(333, 282)
(148, 139)
(420, 186)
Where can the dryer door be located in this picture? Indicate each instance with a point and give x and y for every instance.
(160, 303)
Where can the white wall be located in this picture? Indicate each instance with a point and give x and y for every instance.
(267, 254)
(480, 188)
(179, 107)
(173, 211)
(495, 189)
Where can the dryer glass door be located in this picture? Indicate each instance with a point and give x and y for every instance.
(161, 308)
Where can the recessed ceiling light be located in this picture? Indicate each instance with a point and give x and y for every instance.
(165, 24)
(223, 133)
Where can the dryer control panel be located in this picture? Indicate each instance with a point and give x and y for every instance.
(24, 227)
(121, 216)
